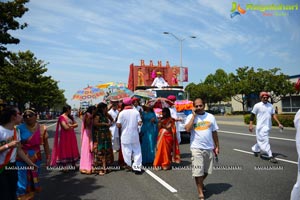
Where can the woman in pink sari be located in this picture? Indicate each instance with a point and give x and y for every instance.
(65, 150)
(167, 148)
(86, 155)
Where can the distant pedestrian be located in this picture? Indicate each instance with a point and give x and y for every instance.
(295, 195)
(204, 139)
(128, 121)
(264, 112)
(10, 147)
(86, 156)
(65, 151)
(222, 111)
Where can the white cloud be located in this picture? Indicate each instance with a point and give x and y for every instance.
(90, 41)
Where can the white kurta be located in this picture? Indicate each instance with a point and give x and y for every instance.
(159, 82)
(114, 130)
(263, 112)
(129, 119)
(174, 116)
(295, 195)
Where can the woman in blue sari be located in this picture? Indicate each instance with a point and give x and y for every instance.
(33, 135)
(149, 134)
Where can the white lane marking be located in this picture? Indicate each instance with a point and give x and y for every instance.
(165, 184)
(248, 152)
(51, 125)
(253, 135)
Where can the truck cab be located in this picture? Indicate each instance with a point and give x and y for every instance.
(181, 97)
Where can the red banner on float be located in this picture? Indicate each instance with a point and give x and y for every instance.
(144, 75)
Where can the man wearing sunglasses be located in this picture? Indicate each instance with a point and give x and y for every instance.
(204, 139)
(264, 112)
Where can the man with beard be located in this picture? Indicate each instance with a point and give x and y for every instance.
(264, 112)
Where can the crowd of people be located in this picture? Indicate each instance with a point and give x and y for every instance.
(134, 132)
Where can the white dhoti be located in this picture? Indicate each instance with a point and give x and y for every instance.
(178, 136)
(262, 141)
(115, 139)
(130, 151)
(295, 195)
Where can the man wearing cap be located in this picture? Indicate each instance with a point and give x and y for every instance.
(128, 121)
(159, 81)
(173, 112)
(264, 112)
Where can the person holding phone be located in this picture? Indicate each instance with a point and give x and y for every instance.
(204, 139)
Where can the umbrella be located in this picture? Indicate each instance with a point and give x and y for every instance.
(117, 86)
(104, 85)
(144, 94)
(160, 102)
(111, 85)
(119, 94)
(88, 93)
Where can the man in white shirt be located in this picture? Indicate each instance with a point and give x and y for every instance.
(264, 112)
(159, 81)
(173, 112)
(128, 121)
(135, 103)
(113, 128)
(204, 139)
(295, 195)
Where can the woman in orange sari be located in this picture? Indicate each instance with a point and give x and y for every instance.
(167, 148)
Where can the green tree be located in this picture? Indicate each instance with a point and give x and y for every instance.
(242, 84)
(9, 11)
(214, 89)
(23, 81)
(247, 83)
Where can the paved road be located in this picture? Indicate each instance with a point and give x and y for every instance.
(237, 175)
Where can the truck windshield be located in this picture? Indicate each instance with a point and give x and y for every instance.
(180, 95)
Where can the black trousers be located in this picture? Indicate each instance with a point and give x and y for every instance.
(8, 184)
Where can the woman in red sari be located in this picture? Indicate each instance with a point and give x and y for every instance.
(167, 148)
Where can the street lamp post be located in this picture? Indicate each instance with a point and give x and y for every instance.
(180, 40)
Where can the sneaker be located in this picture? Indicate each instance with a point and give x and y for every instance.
(273, 160)
(255, 154)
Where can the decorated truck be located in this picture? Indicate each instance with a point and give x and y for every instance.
(142, 76)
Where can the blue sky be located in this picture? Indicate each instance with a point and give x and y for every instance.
(94, 41)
